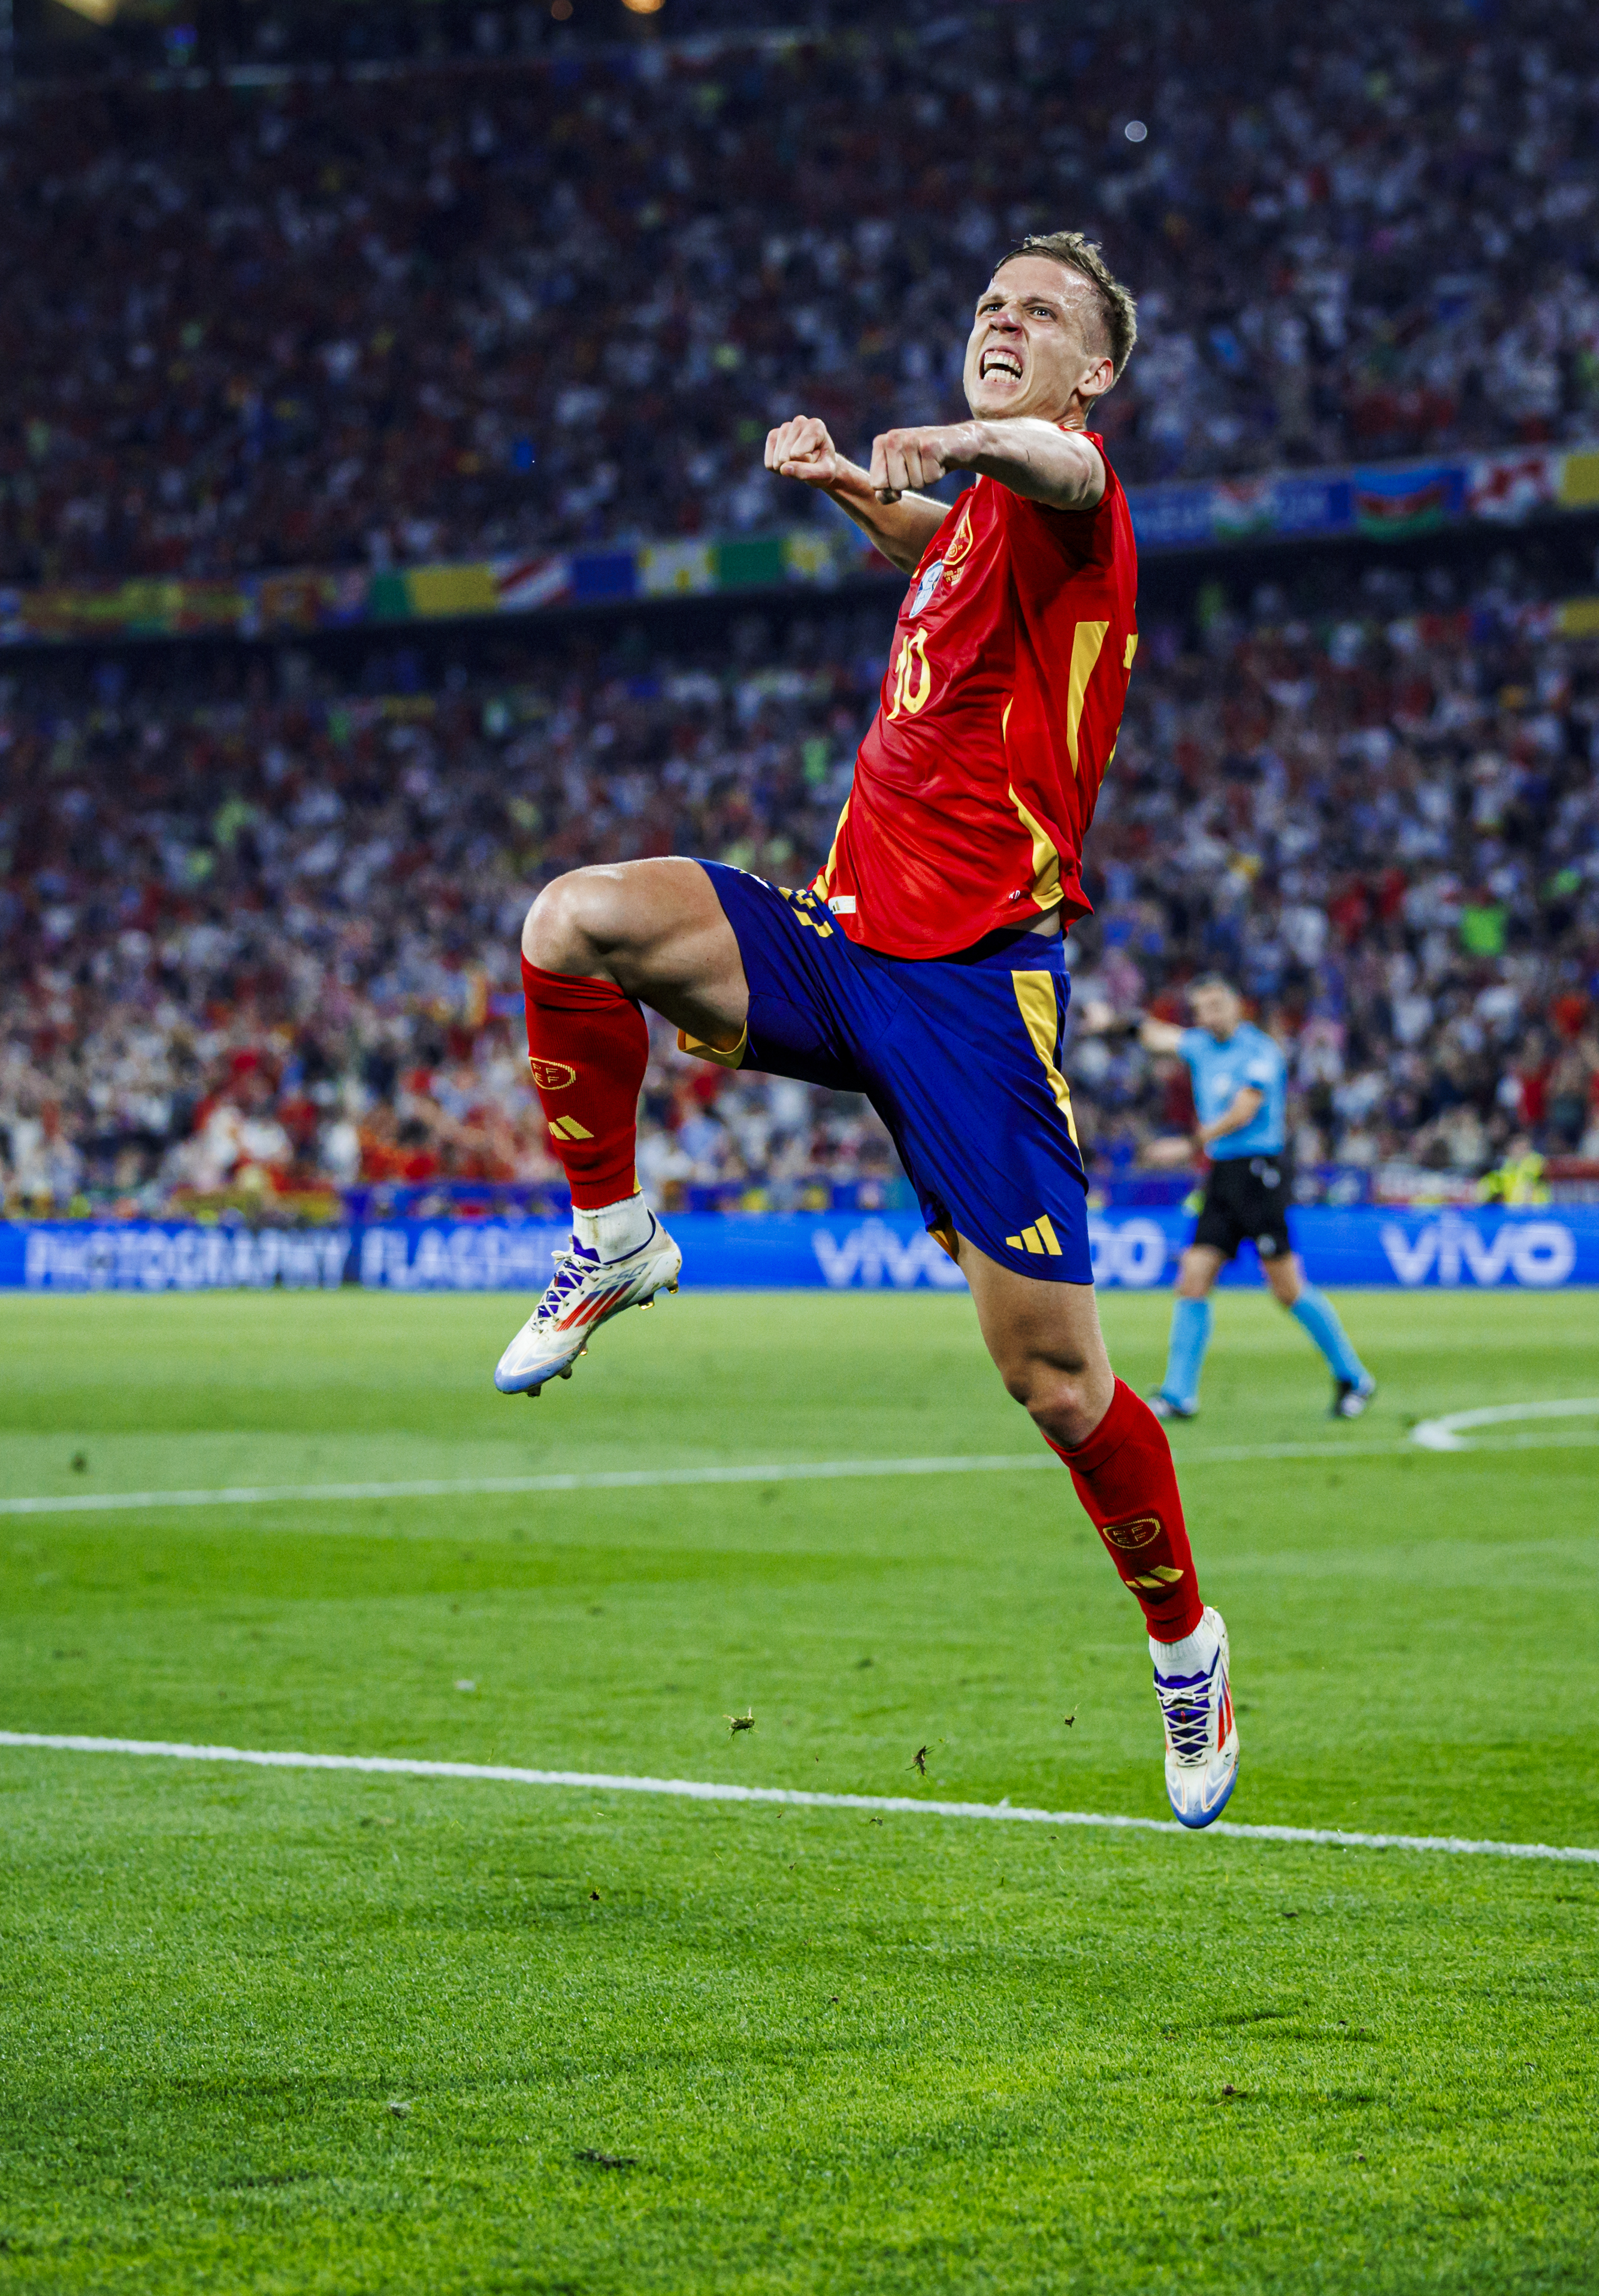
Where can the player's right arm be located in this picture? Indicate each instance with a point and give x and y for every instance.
(1159, 1036)
(801, 449)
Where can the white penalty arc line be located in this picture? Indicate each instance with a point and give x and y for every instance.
(1448, 1433)
(791, 1798)
(788, 1471)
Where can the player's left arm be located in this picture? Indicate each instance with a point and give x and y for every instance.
(1063, 470)
(1248, 1102)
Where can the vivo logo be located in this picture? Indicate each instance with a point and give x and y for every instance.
(1451, 1251)
(872, 1255)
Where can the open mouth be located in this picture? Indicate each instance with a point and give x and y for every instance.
(997, 362)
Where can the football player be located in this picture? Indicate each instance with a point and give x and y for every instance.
(924, 965)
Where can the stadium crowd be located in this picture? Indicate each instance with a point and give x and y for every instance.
(428, 312)
(262, 944)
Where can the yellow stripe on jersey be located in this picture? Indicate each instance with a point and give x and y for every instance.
(1036, 997)
(822, 882)
(1132, 648)
(1046, 860)
(1086, 641)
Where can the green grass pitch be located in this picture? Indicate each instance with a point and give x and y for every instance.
(284, 2031)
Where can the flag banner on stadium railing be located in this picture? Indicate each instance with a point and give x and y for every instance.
(1454, 1250)
(1396, 500)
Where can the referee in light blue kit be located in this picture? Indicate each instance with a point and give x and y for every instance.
(1239, 1092)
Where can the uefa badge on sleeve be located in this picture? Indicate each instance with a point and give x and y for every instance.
(922, 596)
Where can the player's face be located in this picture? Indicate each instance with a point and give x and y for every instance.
(1217, 1009)
(1028, 349)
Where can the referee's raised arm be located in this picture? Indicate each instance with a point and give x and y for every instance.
(1159, 1036)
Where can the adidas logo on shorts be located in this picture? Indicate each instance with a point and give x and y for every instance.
(1040, 1237)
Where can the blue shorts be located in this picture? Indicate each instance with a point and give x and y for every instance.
(960, 1056)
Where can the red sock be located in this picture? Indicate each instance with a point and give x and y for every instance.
(588, 1047)
(1125, 1478)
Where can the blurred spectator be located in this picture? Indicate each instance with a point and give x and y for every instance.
(1388, 831)
(430, 313)
(258, 950)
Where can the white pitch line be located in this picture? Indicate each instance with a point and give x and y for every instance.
(620, 1478)
(1448, 1433)
(789, 1797)
(639, 1479)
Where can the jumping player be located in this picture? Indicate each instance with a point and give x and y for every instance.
(1240, 1089)
(923, 966)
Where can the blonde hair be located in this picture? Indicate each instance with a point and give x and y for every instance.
(1118, 311)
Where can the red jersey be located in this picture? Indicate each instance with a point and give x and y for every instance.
(1006, 682)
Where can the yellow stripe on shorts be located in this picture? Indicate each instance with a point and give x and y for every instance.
(1036, 998)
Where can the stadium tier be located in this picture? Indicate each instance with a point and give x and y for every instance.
(396, 296)
(730, 1828)
(259, 317)
(258, 948)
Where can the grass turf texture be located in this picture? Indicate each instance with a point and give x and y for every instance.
(270, 2032)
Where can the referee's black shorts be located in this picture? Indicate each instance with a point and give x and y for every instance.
(1247, 1198)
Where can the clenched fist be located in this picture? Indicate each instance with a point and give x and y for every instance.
(801, 449)
(902, 460)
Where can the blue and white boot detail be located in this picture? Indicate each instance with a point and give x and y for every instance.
(584, 1291)
(1202, 1736)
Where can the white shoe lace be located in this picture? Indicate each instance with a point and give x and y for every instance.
(1187, 1709)
(566, 1277)
(572, 1269)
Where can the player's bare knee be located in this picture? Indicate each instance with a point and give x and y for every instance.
(1061, 1400)
(558, 932)
(1029, 1379)
(1022, 1384)
(1068, 1413)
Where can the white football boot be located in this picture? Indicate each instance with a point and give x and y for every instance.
(1202, 1736)
(584, 1292)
